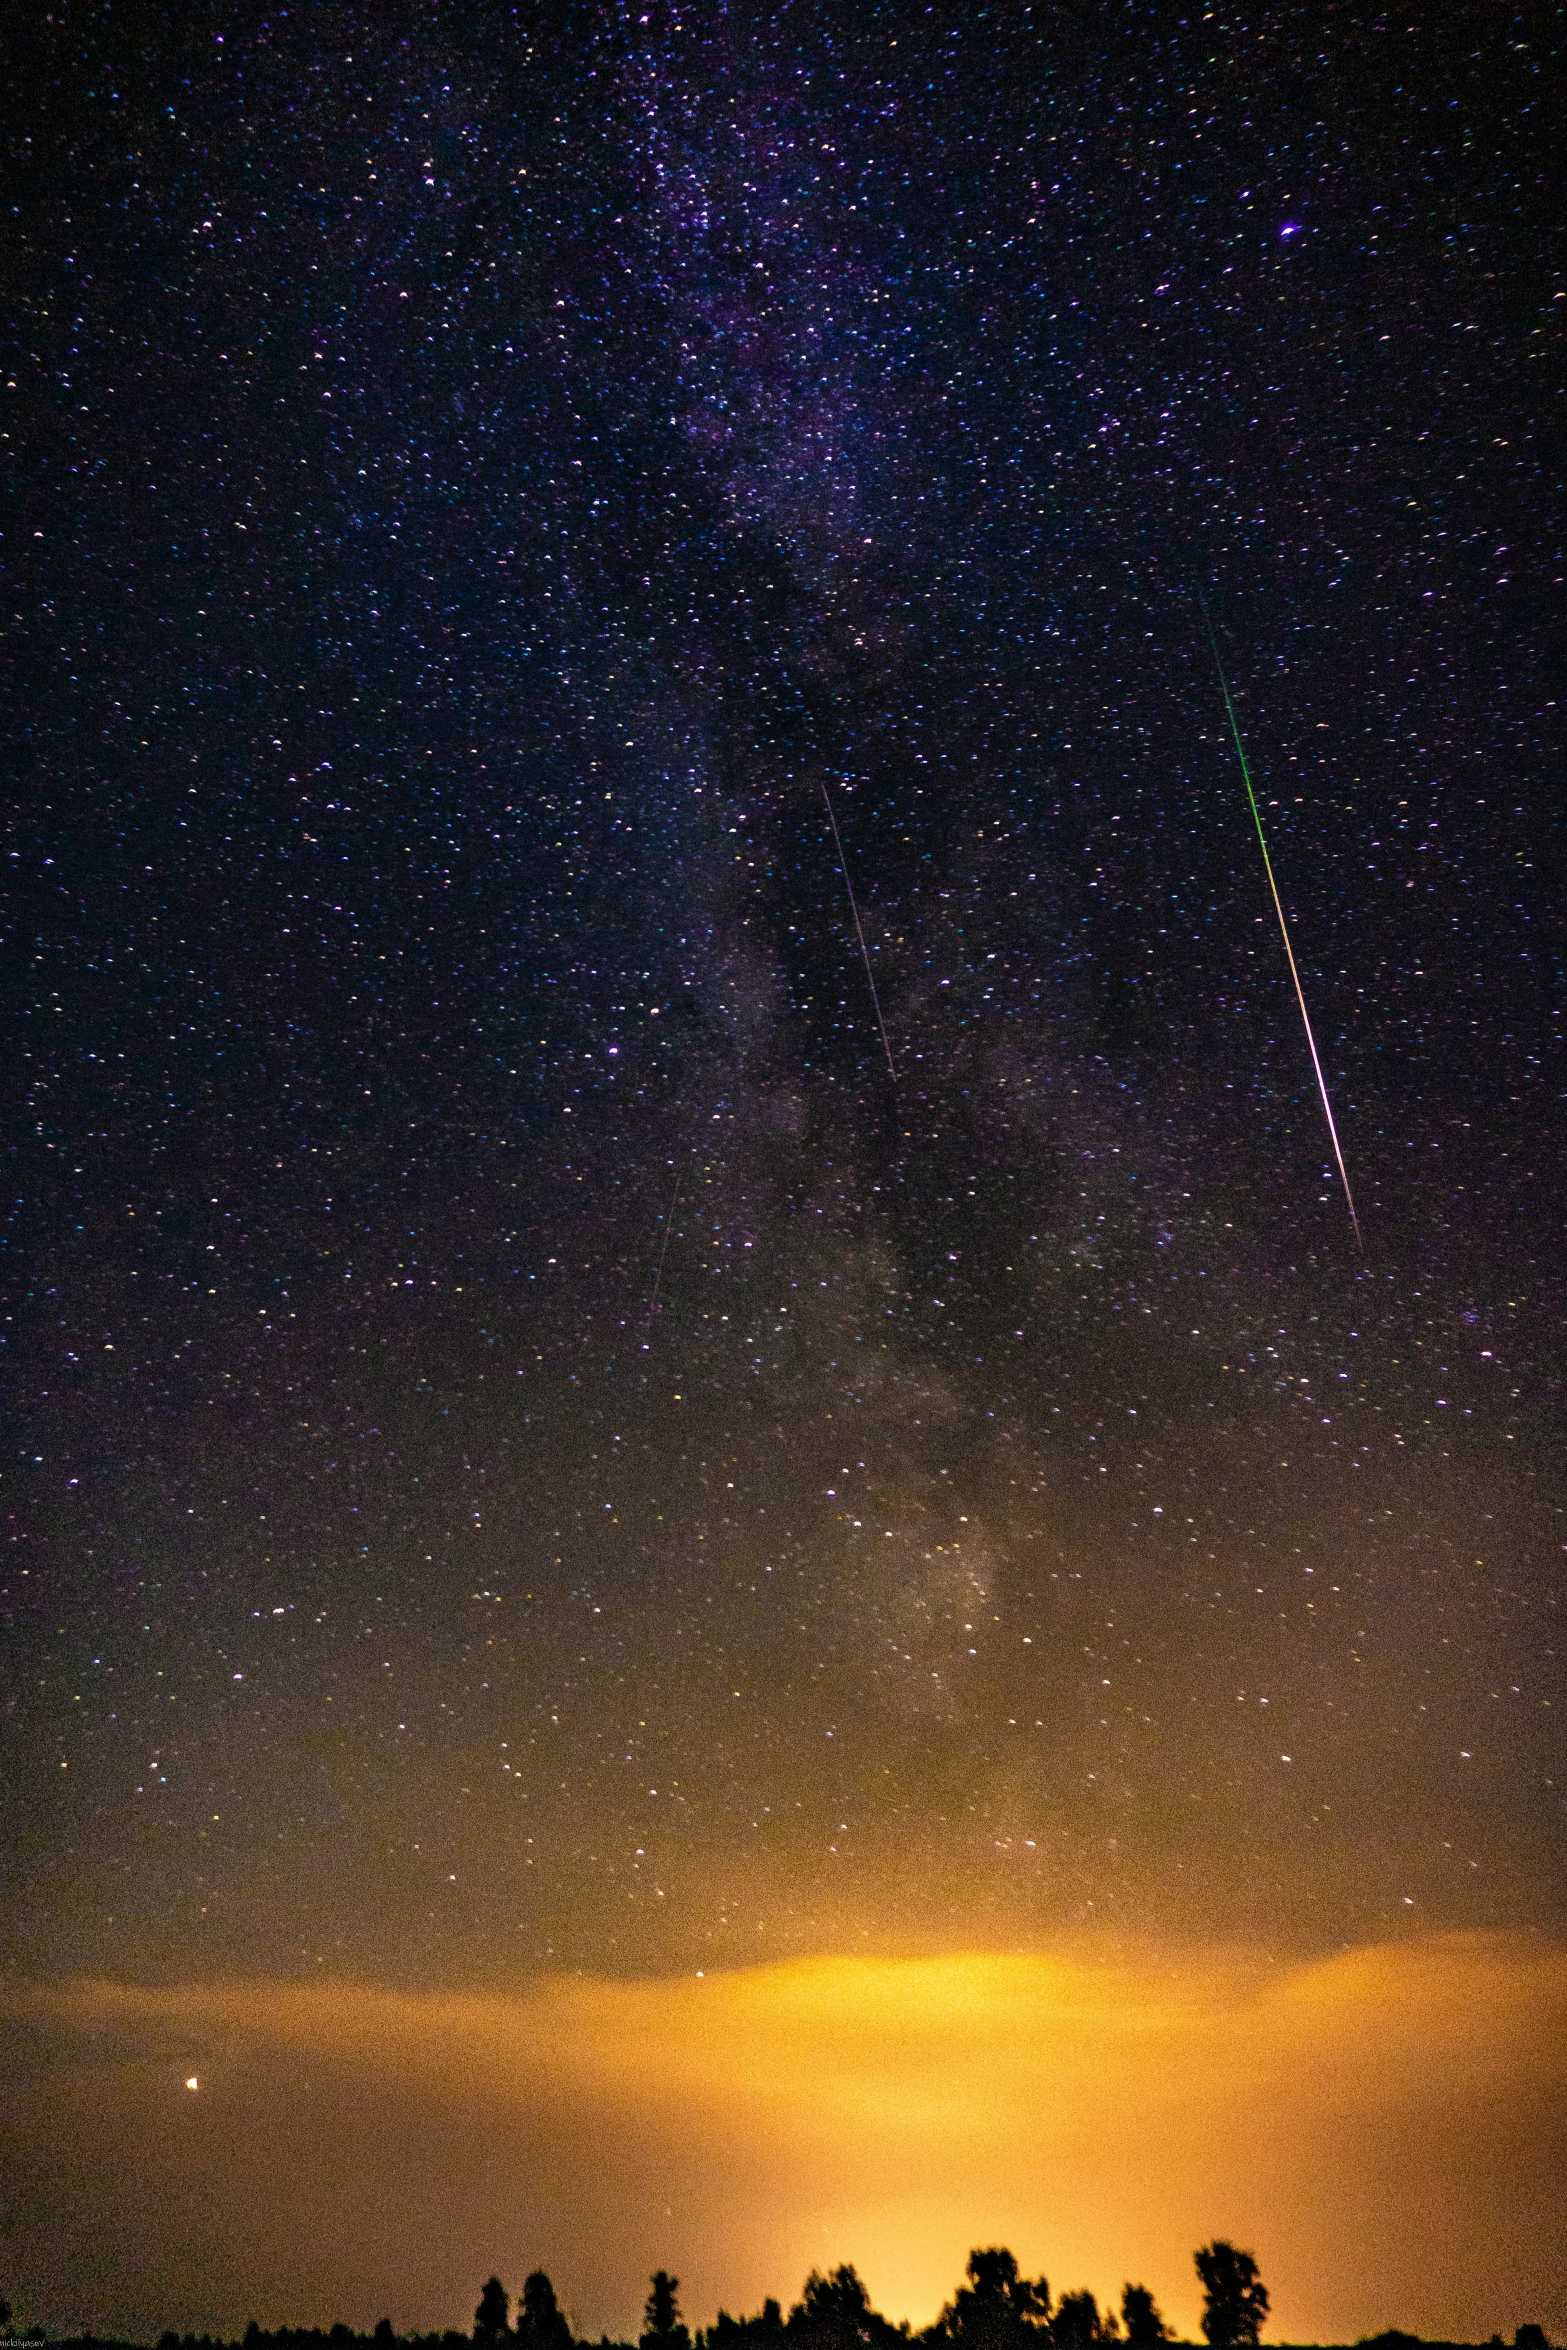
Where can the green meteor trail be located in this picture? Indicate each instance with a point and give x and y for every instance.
(1284, 928)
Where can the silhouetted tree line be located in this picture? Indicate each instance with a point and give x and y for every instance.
(995, 2308)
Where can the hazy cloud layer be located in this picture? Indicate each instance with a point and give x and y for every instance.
(352, 2150)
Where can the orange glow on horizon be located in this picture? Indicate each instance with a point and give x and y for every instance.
(1379, 2127)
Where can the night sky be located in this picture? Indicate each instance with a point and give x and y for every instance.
(536, 1441)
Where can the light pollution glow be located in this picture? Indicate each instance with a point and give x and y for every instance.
(1379, 2127)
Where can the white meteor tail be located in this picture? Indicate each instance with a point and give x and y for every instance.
(1284, 928)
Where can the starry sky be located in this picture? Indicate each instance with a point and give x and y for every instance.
(555, 1429)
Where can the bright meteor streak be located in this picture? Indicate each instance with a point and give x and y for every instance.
(1284, 928)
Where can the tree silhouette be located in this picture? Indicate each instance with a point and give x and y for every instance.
(834, 2313)
(540, 2322)
(1235, 2299)
(490, 2319)
(763, 2332)
(661, 2327)
(998, 2308)
(1145, 2327)
(1077, 2324)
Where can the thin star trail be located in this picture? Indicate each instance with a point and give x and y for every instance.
(859, 931)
